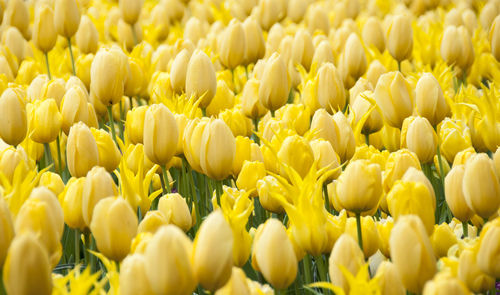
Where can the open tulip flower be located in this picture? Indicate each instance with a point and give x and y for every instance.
(249, 147)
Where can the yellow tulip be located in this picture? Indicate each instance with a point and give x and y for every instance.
(330, 88)
(296, 153)
(133, 278)
(175, 206)
(251, 173)
(454, 137)
(394, 95)
(445, 284)
(152, 222)
(250, 103)
(7, 230)
(74, 108)
(114, 225)
(325, 157)
(213, 252)
(16, 15)
(46, 121)
(265, 188)
(389, 279)
(273, 88)
(384, 228)
(82, 152)
(13, 123)
(223, 99)
(236, 121)
(98, 185)
(130, 10)
(255, 44)
(489, 250)
(71, 199)
(470, 273)
(201, 81)
(429, 99)
(396, 166)
(360, 107)
(373, 34)
(66, 17)
(442, 239)
(160, 146)
(217, 150)
(347, 143)
(109, 71)
(178, 70)
(324, 126)
(53, 182)
(236, 285)
(44, 35)
(27, 269)
(109, 155)
(232, 45)
(400, 37)
(134, 124)
(369, 234)
(454, 194)
(411, 253)
(302, 48)
(353, 60)
(323, 54)
(419, 137)
(415, 175)
(295, 116)
(273, 254)
(347, 254)
(14, 161)
(87, 36)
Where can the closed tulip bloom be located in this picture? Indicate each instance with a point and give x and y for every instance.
(251, 172)
(330, 88)
(27, 269)
(250, 103)
(42, 214)
(109, 154)
(450, 45)
(408, 197)
(46, 121)
(178, 70)
(98, 185)
(411, 253)
(454, 137)
(273, 89)
(325, 157)
(374, 71)
(133, 278)
(265, 188)
(236, 285)
(369, 234)
(134, 124)
(345, 253)
(6, 230)
(419, 137)
(87, 36)
(347, 143)
(384, 228)
(494, 36)
(246, 150)
(152, 221)
(168, 262)
(413, 174)
(323, 54)
(326, 128)
(237, 122)
(175, 206)
(217, 150)
(81, 150)
(44, 33)
(232, 45)
(201, 81)
(454, 194)
(273, 254)
(442, 239)
(53, 182)
(130, 10)
(353, 61)
(108, 73)
(400, 38)
(160, 134)
(74, 108)
(13, 123)
(114, 225)
(302, 48)
(361, 106)
(12, 159)
(394, 95)
(223, 100)
(296, 153)
(488, 253)
(444, 284)
(356, 196)
(213, 252)
(429, 99)
(389, 279)
(72, 203)
(66, 17)
(373, 34)
(396, 166)
(470, 273)
(254, 45)
(192, 141)
(481, 187)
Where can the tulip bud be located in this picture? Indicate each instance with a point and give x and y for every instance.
(192, 142)
(12, 160)
(251, 173)
(419, 137)
(429, 99)
(373, 34)
(255, 44)
(323, 54)
(178, 71)
(325, 127)
(134, 124)
(273, 89)
(158, 146)
(87, 36)
(270, 12)
(271, 248)
(296, 153)
(109, 154)
(223, 99)
(445, 283)
(232, 45)
(168, 264)
(326, 157)
(494, 37)
(331, 92)
(353, 60)
(442, 239)
(369, 234)
(213, 252)
(384, 228)
(347, 254)
(46, 121)
(400, 38)
(44, 33)
(394, 95)
(316, 18)
(374, 71)
(74, 108)
(470, 273)
(454, 137)
(218, 148)
(201, 81)
(175, 206)
(250, 103)
(152, 221)
(82, 153)
(108, 73)
(130, 9)
(389, 279)
(6, 230)
(114, 225)
(133, 278)
(302, 48)
(347, 144)
(237, 122)
(27, 269)
(42, 214)
(481, 187)
(454, 194)
(411, 253)
(236, 285)
(53, 182)
(66, 17)
(72, 203)
(98, 185)
(361, 106)
(13, 123)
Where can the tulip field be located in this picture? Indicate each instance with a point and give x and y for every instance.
(249, 147)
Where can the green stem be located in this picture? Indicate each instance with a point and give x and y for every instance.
(308, 269)
(112, 123)
(48, 156)
(399, 66)
(59, 158)
(71, 55)
(193, 192)
(441, 170)
(2, 287)
(234, 81)
(93, 258)
(218, 190)
(327, 200)
(272, 113)
(77, 246)
(47, 64)
(256, 126)
(134, 35)
(120, 123)
(280, 291)
(165, 179)
(465, 227)
(358, 226)
(86, 253)
(367, 139)
(320, 263)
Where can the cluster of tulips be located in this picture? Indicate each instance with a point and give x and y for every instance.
(249, 147)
